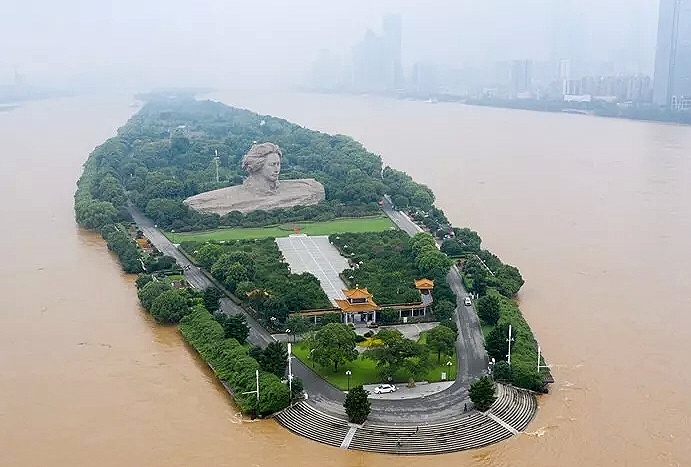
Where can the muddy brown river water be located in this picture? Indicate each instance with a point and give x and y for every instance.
(595, 212)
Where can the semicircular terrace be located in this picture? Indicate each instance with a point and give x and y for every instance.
(509, 415)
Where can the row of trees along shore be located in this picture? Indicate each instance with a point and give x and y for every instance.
(165, 153)
(220, 340)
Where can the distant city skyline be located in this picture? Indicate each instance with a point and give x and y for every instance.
(672, 79)
(375, 65)
(267, 43)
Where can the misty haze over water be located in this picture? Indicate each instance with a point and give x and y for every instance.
(268, 44)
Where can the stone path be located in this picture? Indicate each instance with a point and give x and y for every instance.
(316, 255)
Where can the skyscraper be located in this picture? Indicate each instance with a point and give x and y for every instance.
(672, 80)
(392, 31)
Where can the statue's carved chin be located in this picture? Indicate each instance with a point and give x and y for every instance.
(255, 195)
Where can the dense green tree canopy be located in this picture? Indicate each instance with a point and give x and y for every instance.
(482, 393)
(334, 344)
(234, 326)
(395, 352)
(150, 292)
(488, 309)
(357, 405)
(169, 307)
(441, 339)
(274, 359)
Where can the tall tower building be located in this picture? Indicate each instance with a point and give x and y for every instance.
(672, 80)
(392, 34)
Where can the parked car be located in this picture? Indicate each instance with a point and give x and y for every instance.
(385, 389)
(467, 301)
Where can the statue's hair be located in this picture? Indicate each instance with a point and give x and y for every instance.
(253, 161)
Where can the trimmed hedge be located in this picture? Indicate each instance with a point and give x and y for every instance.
(232, 365)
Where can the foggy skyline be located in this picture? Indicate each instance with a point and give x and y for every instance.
(270, 43)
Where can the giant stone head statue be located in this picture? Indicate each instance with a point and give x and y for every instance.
(263, 164)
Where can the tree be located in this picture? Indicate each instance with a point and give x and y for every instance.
(297, 387)
(488, 309)
(400, 202)
(482, 393)
(169, 307)
(334, 344)
(212, 297)
(443, 310)
(243, 289)
(452, 247)
(150, 292)
(510, 280)
(234, 326)
(357, 405)
(273, 394)
(441, 340)
(496, 342)
(432, 263)
(468, 238)
(208, 254)
(297, 325)
(526, 376)
(142, 280)
(423, 199)
(388, 316)
(451, 325)
(394, 352)
(502, 371)
(274, 359)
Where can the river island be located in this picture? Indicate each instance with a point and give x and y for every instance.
(327, 291)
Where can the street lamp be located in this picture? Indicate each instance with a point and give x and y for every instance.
(509, 340)
(348, 373)
(448, 366)
(312, 357)
(288, 332)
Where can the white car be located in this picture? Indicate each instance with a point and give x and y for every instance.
(467, 301)
(385, 389)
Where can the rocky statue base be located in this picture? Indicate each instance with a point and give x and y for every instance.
(261, 190)
(244, 198)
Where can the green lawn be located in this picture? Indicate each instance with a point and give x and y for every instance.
(363, 224)
(364, 370)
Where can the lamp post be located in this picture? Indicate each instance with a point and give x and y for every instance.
(348, 373)
(510, 339)
(448, 366)
(288, 332)
(312, 357)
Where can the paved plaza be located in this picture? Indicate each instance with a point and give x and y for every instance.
(316, 255)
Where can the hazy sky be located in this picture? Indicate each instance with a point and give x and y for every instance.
(144, 43)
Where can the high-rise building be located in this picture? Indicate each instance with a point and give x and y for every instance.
(672, 80)
(377, 63)
(521, 77)
(393, 39)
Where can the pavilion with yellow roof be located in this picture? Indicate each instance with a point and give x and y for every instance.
(358, 305)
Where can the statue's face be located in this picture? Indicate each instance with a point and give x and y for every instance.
(272, 167)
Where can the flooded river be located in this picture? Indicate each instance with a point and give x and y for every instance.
(595, 212)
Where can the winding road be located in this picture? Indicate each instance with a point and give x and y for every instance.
(447, 404)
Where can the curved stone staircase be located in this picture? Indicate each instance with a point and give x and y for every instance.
(514, 407)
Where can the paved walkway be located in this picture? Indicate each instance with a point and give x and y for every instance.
(420, 391)
(441, 414)
(316, 255)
